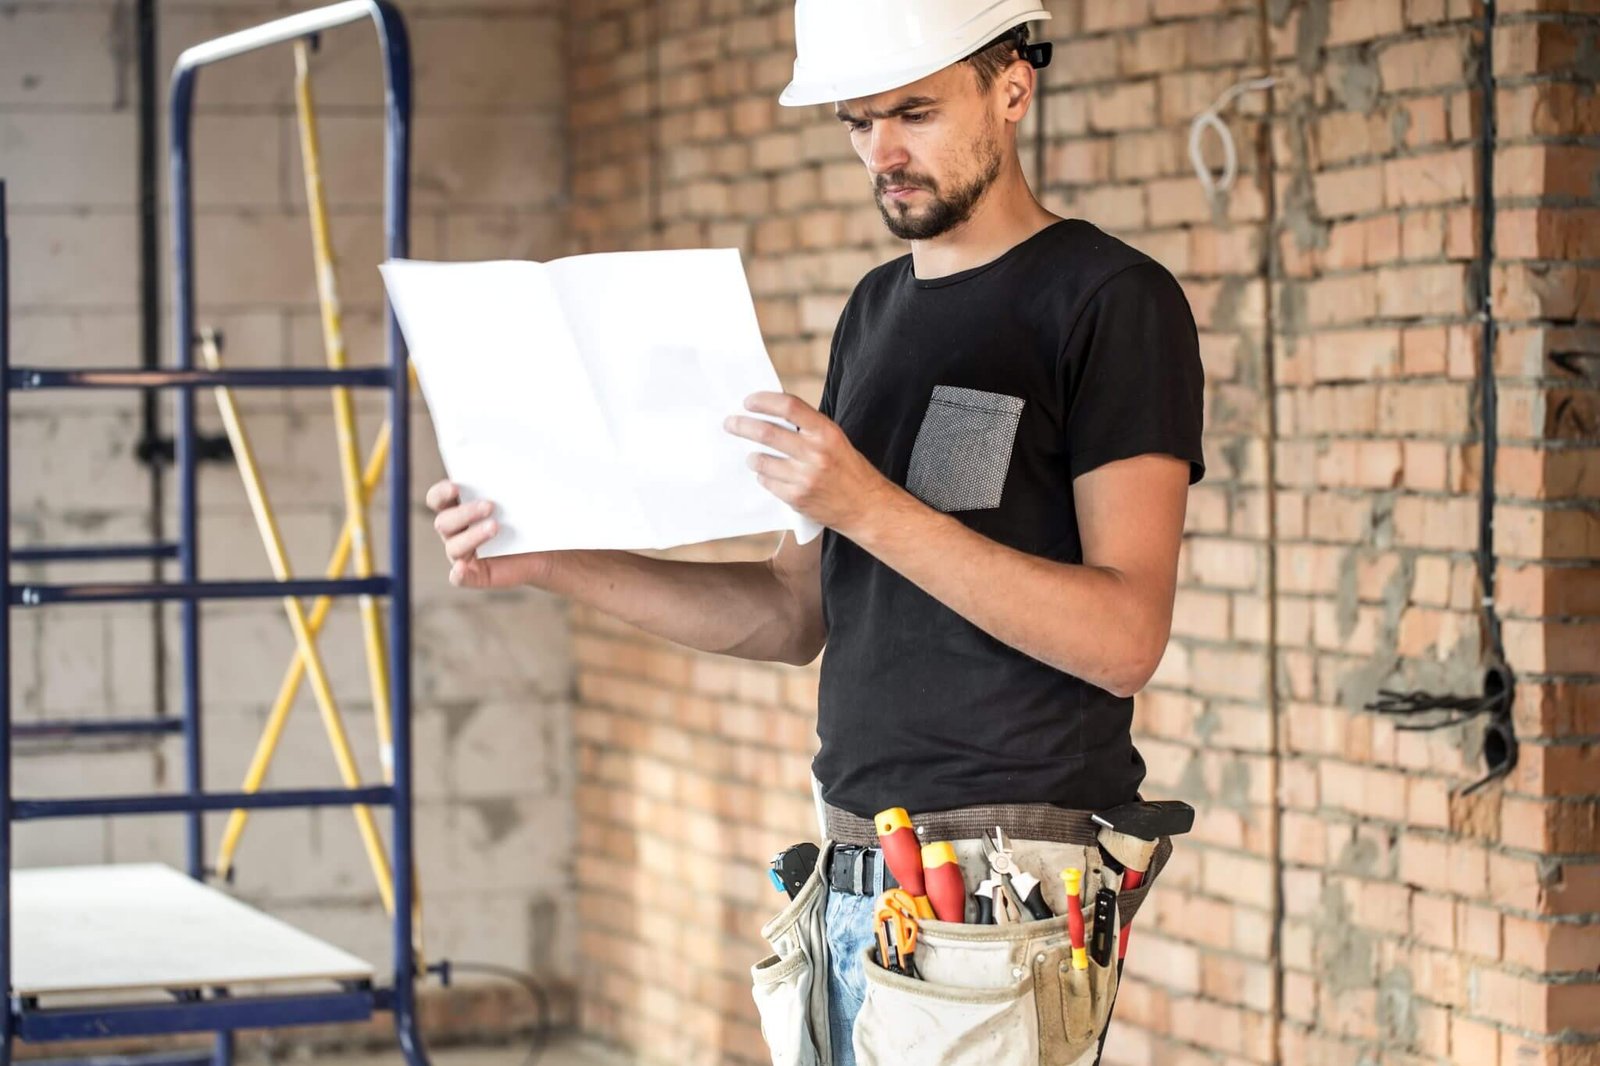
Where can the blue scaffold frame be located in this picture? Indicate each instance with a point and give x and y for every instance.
(192, 1011)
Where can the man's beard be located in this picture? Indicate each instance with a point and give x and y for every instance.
(943, 212)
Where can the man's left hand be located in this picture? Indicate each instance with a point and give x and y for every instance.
(819, 472)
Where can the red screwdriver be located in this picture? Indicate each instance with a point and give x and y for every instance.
(942, 874)
(1072, 881)
(903, 854)
(1131, 880)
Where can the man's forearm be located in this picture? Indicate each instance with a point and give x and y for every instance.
(741, 609)
(1083, 620)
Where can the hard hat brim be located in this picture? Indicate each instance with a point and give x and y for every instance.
(804, 90)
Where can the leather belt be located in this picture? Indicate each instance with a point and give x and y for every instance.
(1021, 821)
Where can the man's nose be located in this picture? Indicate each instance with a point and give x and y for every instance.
(886, 152)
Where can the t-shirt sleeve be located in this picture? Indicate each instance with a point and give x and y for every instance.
(830, 379)
(1132, 369)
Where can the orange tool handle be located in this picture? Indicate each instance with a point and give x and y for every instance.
(946, 890)
(896, 918)
(886, 955)
(902, 853)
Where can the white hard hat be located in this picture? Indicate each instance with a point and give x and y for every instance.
(850, 48)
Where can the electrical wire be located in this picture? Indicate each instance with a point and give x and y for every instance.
(1210, 119)
(1500, 736)
(1417, 701)
(544, 1031)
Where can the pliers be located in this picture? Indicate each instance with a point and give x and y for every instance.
(1008, 907)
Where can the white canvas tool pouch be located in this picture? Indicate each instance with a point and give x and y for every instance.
(989, 995)
(791, 985)
(993, 994)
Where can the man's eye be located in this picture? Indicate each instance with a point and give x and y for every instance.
(914, 116)
(859, 126)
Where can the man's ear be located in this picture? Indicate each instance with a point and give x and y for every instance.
(1018, 81)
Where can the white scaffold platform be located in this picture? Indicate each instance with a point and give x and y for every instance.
(144, 926)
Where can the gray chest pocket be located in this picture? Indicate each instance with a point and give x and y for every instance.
(963, 449)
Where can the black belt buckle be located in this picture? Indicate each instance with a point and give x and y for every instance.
(853, 869)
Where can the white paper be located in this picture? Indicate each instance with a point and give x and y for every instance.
(586, 396)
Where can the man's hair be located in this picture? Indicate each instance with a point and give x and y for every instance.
(988, 61)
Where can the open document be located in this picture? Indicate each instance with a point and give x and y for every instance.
(586, 396)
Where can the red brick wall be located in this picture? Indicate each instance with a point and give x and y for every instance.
(1340, 901)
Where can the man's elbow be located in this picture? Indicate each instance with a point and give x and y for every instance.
(802, 657)
(1135, 674)
(804, 650)
(1125, 689)
(803, 634)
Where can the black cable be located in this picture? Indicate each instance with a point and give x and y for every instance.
(544, 1031)
(1500, 740)
(1390, 701)
(150, 314)
(1487, 390)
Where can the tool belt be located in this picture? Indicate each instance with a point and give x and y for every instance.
(1022, 821)
(980, 993)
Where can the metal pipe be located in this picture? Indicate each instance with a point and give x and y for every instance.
(280, 31)
(191, 591)
(397, 213)
(94, 553)
(29, 378)
(215, 1015)
(83, 727)
(185, 444)
(371, 795)
(6, 812)
(150, 322)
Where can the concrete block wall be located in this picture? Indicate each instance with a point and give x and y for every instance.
(492, 674)
(1342, 899)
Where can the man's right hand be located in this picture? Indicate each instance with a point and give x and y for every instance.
(466, 527)
(769, 610)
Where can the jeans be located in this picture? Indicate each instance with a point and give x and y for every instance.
(848, 923)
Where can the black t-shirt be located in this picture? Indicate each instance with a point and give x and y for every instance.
(985, 393)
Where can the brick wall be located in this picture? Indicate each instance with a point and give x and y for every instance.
(1418, 919)
(492, 676)
(1340, 900)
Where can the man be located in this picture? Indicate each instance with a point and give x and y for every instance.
(1001, 457)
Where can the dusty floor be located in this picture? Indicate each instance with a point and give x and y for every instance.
(566, 1051)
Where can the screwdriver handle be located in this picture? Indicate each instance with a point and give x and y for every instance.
(1031, 892)
(942, 873)
(901, 851)
(1130, 880)
(1072, 880)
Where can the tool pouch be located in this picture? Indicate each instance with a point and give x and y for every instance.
(997, 993)
(791, 985)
